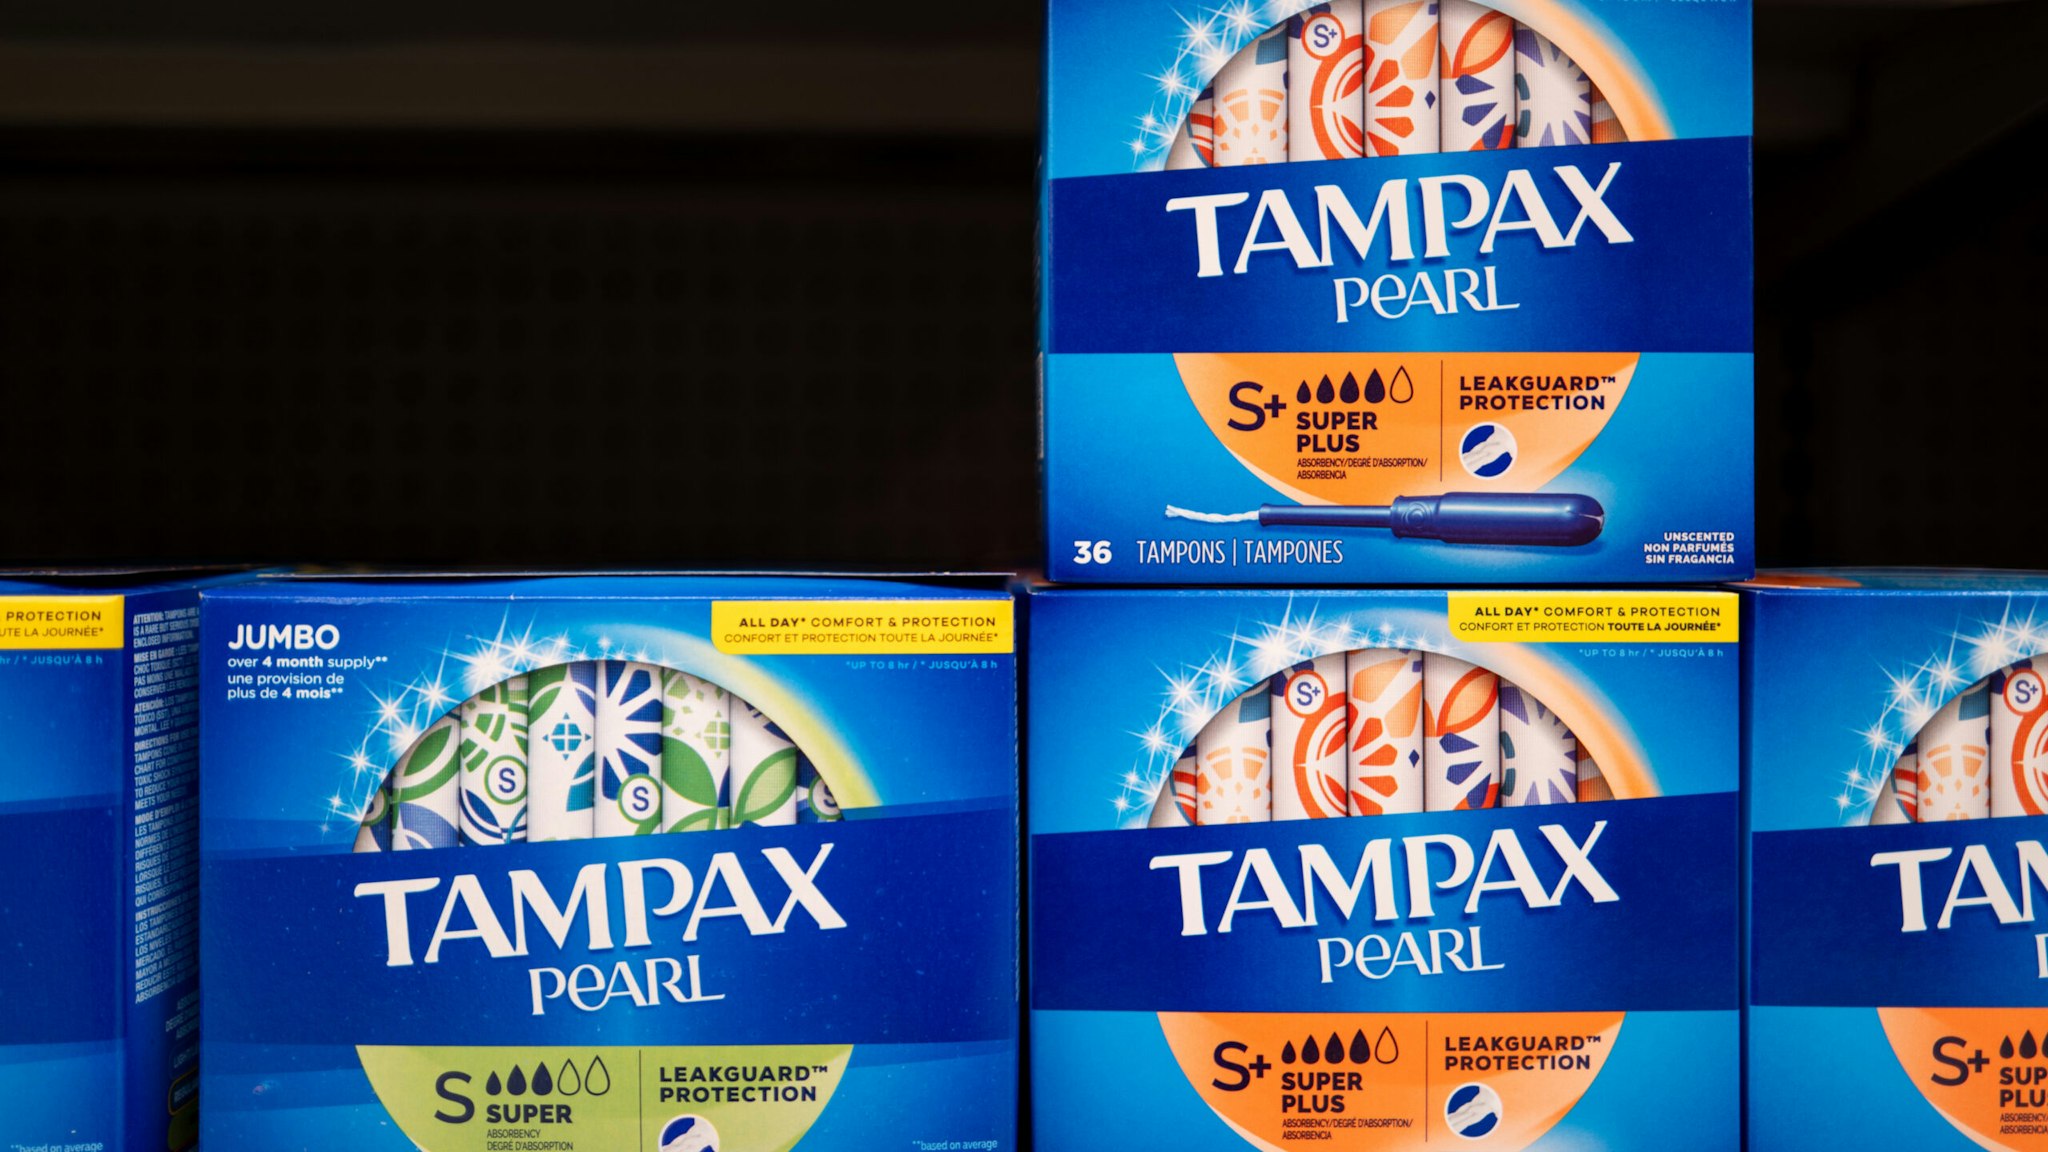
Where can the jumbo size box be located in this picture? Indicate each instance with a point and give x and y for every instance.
(1384, 870)
(1397, 291)
(99, 1036)
(595, 863)
(1896, 760)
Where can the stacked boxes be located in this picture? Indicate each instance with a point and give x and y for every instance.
(1896, 767)
(1384, 867)
(99, 1040)
(609, 862)
(1397, 292)
(1390, 291)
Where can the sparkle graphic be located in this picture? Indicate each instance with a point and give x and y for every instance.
(1154, 739)
(1915, 691)
(1249, 655)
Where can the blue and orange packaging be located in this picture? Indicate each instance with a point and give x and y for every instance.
(99, 1042)
(1896, 772)
(610, 861)
(1249, 929)
(1397, 291)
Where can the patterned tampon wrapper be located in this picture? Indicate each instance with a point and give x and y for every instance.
(628, 748)
(1477, 79)
(815, 803)
(1955, 759)
(1461, 750)
(2019, 741)
(1553, 98)
(1251, 104)
(1174, 806)
(1539, 756)
(1903, 790)
(1326, 83)
(696, 753)
(374, 833)
(1234, 761)
(1311, 738)
(494, 769)
(426, 789)
(764, 769)
(1195, 143)
(1898, 799)
(1384, 689)
(1593, 784)
(1402, 60)
(561, 752)
(1606, 128)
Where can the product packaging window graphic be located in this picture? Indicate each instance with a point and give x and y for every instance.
(605, 863)
(1397, 290)
(99, 1032)
(1897, 761)
(592, 748)
(1387, 869)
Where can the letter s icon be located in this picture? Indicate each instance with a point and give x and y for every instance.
(441, 1090)
(1308, 693)
(1253, 413)
(1242, 1077)
(2026, 692)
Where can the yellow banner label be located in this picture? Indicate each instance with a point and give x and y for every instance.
(863, 627)
(1568, 617)
(62, 622)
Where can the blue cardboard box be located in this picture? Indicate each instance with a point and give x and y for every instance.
(1895, 759)
(1397, 291)
(1385, 869)
(604, 862)
(99, 1042)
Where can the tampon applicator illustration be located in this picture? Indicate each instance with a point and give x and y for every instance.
(1558, 520)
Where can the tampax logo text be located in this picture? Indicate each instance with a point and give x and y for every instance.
(1971, 878)
(1505, 868)
(287, 637)
(1450, 211)
(503, 919)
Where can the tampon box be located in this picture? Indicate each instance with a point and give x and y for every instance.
(1327, 290)
(609, 862)
(99, 1033)
(1896, 760)
(1384, 869)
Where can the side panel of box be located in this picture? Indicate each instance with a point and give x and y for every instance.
(160, 881)
(63, 833)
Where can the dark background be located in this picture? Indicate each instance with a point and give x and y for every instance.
(641, 282)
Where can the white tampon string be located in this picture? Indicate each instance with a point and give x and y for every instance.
(1173, 513)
